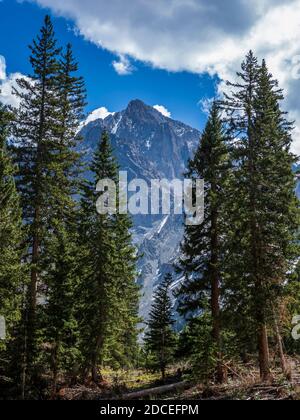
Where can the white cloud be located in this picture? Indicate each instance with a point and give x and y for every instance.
(7, 83)
(100, 113)
(194, 35)
(6, 87)
(123, 67)
(162, 110)
(206, 104)
(2, 68)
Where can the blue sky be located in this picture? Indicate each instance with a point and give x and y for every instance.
(179, 92)
(166, 52)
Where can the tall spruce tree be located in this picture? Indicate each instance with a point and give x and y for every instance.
(35, 146)
(108, 290)
(243, 266)
(159, 337)
(61, 262)
(264, 216)
(11, 237)
(203, 246)
(277, 205)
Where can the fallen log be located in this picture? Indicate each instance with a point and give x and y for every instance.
(227, 366)
(156, 391)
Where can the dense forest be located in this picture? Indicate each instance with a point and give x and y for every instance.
(68, 279)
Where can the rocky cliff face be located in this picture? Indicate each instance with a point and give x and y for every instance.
(148, 145)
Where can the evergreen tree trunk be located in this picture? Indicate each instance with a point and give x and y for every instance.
(96, 375)
(32, 292)
(264, 355)
(215, 294)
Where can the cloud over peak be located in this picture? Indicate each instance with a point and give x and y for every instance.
(163, 110)
(193, 35)
(100, 113)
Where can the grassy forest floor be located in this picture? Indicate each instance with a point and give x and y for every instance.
(243, 384)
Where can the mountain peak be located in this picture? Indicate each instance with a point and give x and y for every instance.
(136, 104)
(137, 109)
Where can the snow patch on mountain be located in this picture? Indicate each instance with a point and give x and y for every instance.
(116, 125)
(162, 225)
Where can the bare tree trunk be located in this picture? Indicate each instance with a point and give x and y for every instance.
(284, 366)
(264, 355)
(156, 391)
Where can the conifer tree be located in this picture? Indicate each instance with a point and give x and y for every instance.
(11, 237)
(99, 248)
(264, 209)
(108, 287)
(61, 244)
(203, 247)
(159, 336)
(35, 145)
(278, 211)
